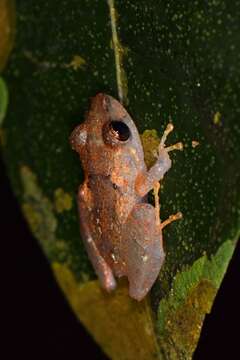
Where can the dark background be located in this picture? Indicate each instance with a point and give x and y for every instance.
(39, 324)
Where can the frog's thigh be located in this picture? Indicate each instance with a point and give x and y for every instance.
(101, 267)
(143, 250)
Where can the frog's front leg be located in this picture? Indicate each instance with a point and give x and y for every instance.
(146, 181)
(101, 267)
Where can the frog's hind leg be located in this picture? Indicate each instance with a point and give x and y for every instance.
(143, 251)
(101, 267)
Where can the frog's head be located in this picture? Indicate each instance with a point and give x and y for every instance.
(108, 129)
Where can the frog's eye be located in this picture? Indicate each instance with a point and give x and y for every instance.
(119, 130)
(115, 132)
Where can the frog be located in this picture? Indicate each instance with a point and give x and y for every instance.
(121, 230)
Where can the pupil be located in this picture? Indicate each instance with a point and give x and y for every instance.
(121, 130)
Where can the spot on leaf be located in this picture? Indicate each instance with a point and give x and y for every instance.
(62, 200)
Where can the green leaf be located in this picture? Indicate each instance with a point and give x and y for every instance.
(3, 100)
(7, 30)
(163, 60)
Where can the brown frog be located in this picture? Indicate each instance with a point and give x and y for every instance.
(121, 231)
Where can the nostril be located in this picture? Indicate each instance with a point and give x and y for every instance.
(106, 102)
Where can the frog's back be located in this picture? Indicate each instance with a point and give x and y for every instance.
(108, 214)
(104, 219)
